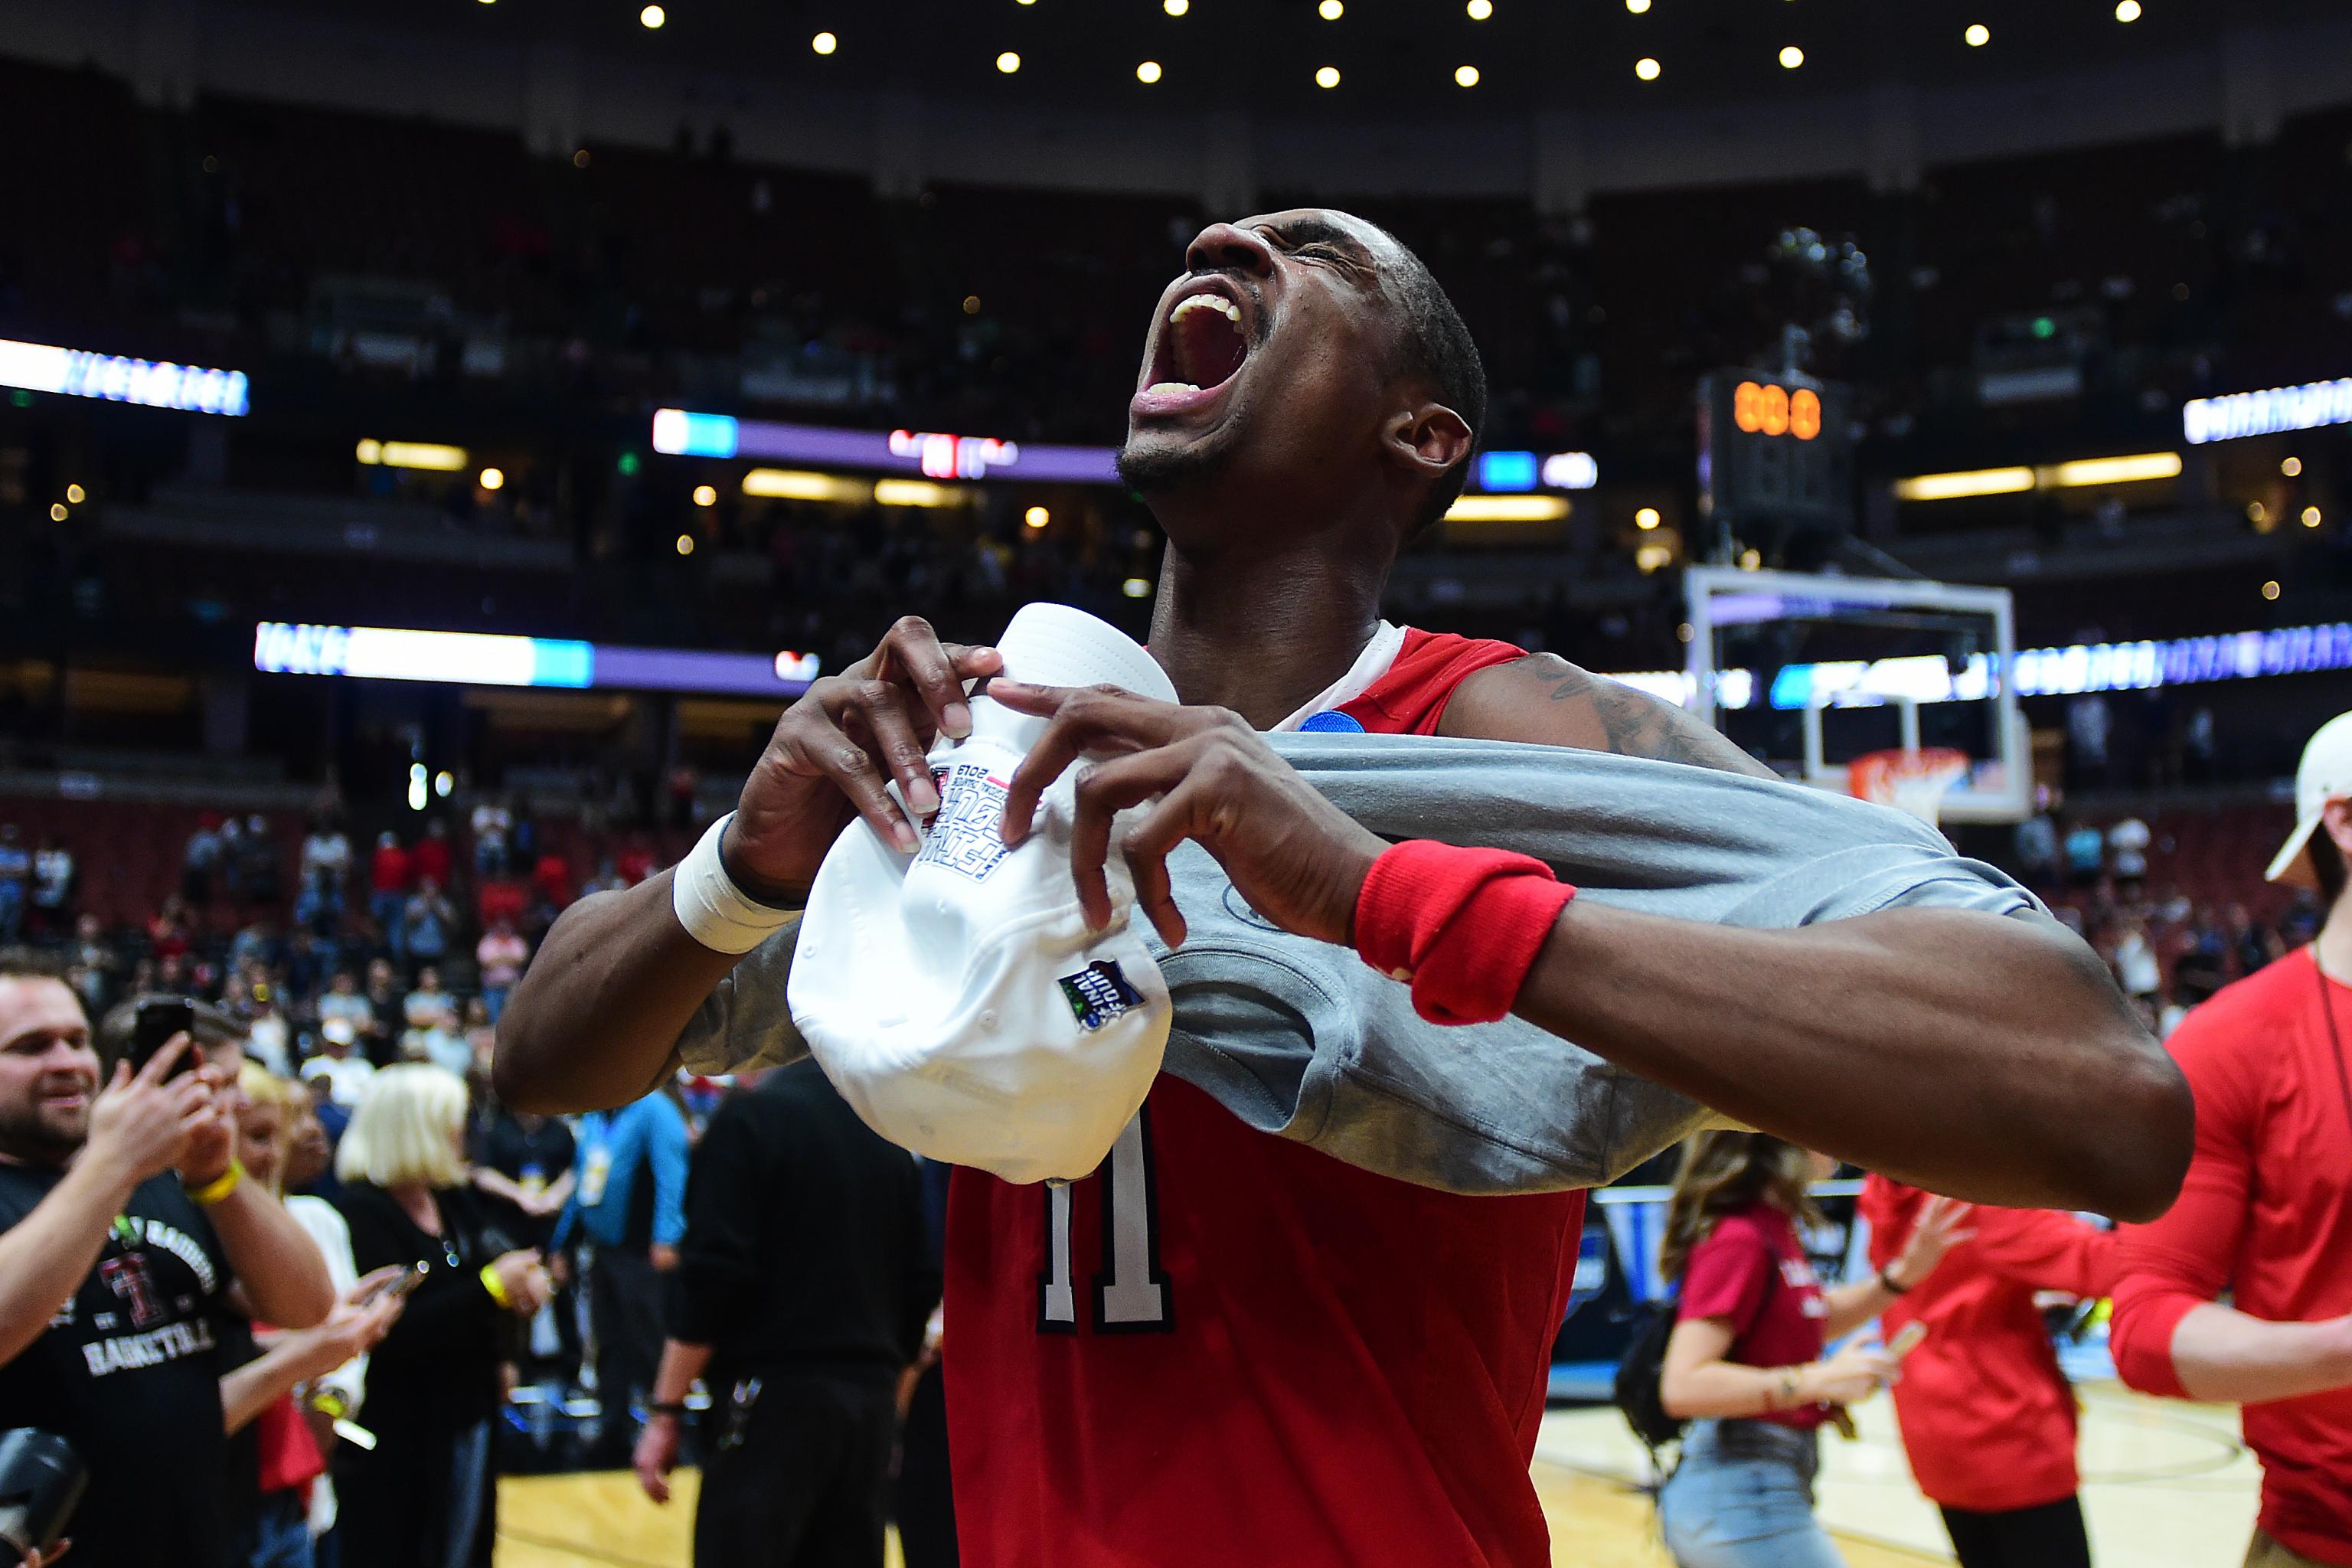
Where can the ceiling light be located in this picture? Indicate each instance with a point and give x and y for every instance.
(1175, 7)
(685, 544)
(76, 495)
(2271, 589)
(654, 16)
(2311, 517)
(1647, 518)
(1147, 72)
(1465, 76)
(1480, 9)
(801, 484)
(2127, 11)
(1036, 517)
(706, 495)
(1637, 7)
(1507, 509)
(1138, 587)
(1791, 58)
(824, 43)
(1328, 77)
(1977, 35)
(1647, 69)
(1331, 10)
(919, 492)
(2292, 467)
(492, 479)
(2112, 470)
(57, 512)
(1008, 62)
(412, 454)
(1959, 487)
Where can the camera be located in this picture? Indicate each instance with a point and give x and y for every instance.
(41, 1479)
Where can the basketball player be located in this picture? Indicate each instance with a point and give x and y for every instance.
(2266, 1212)
(1344, 1369)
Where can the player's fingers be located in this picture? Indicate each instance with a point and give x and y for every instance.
(1098, 719)
(1108, 788)
(891, 739)
(159, 1067)
(819, 749)
(913, 652)
(1155, 897)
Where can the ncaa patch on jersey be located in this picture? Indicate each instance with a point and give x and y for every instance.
(1098, 993)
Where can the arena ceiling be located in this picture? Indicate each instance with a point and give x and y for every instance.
(1391, 55)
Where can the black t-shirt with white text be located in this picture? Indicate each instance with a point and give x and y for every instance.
(129, 1371)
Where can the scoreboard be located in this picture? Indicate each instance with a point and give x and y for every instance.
(1775, 453)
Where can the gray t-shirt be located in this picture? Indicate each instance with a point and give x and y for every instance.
(1302, 1039)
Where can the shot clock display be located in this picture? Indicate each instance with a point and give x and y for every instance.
(1776, 458)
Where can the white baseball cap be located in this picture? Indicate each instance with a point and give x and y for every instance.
(955, 997)
(2325, 775)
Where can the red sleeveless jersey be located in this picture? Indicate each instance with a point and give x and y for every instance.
(1226, 1348)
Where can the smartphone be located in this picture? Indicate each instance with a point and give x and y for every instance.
(158, 1019)
(407, 1279)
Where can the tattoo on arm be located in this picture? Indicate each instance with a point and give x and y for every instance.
(1639, 725)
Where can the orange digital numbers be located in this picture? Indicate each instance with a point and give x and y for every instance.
(1767, 409)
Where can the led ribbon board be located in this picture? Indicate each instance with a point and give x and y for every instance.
(477, 659)
(78, 372)
(2274, 412)
(682, 432)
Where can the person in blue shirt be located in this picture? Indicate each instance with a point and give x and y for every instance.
(629, 1208)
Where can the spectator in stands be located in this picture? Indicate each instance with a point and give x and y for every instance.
(628, 1197)
(502, 954)
(200, 861)
(2087, 854)
(326, 865)
(425, 1494)
(1744, 1363)
(523, 1165)
(385, 1007)
(2036, 848)
(803, 1283)
(95, 960)
(2127, 843)
(16, 876)
(339, 1066)
(2265, 1217)
(317, 1124)
(118, 1278)
(1987, 1416)
(343, 1000)
(481, 1035)
(426, 922)
(2137, 969)
(267, 1035)
(430, 858)
(2090, 724)
(256, 864)
(492, 824)
(53, 886)
(551, 876)
(389, 872)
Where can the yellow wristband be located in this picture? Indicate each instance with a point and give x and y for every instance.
(328, 1402)
(219, 1187)
(496, 1287)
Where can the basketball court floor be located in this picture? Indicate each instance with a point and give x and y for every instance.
(2167, 1486)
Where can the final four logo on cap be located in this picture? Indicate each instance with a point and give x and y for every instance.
(1098, 993)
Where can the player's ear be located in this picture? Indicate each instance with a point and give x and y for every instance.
(1427, 437)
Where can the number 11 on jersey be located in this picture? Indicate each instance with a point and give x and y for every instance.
(1130, 1293)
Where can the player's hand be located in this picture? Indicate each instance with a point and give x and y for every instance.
(834, 751)
(1849, 1377)
(1942, 1226)
(1299, 860)
(657, 1455)
(141, 1125)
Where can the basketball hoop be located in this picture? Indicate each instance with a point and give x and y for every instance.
(1916, 781)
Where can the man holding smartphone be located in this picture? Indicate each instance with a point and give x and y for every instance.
(115, 1273)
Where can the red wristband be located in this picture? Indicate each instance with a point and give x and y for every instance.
(1462, 926)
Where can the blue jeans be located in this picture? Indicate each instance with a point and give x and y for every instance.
(281, 1532)
(1743, 1498)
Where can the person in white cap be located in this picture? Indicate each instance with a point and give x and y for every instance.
(2266, 1214)
(1226, 1346)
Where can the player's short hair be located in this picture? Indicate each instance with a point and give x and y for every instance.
(406, 1129)
(1435, 346)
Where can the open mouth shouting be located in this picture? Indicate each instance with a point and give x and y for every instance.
(1198, 350)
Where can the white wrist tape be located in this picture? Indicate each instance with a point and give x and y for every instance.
(713, 910)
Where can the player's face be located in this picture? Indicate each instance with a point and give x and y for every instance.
(48, 1071)
(1267, 356)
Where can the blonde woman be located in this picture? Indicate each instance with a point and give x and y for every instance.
(424, 1496)
(1744, 1363)
(271, 1392)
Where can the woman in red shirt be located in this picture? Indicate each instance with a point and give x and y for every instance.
(1744, 1363)
(1988, 1418)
